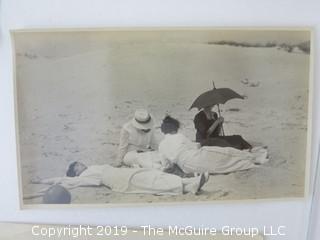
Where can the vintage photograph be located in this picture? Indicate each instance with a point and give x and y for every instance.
(128, 116)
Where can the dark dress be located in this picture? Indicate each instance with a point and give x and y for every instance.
(202, 125)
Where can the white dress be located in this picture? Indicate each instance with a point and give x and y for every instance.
(131, 140)
(191, 158)
(150, 159)
(124, 180)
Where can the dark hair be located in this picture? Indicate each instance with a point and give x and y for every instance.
(170, 125)
(70, 171)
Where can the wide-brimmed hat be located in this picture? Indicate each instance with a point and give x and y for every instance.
(142, 119)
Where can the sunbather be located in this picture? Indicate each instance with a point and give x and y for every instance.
(126, 180)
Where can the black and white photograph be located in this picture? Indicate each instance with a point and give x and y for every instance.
(162, 115)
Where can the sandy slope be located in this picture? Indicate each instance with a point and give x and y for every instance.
(72, 108)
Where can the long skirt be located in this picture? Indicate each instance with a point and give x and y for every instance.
(235, 141)
(221, 159)
(155, 182)
(141, 180)
(150, 159)
(153, 160)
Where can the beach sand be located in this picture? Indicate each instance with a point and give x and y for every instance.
(71, 108)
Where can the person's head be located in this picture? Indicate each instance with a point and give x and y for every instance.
(142, 120)
(208, 109)
(170, 125)
(56, 194)
(75, 169)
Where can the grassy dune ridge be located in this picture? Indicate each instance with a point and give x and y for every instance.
(303, 46)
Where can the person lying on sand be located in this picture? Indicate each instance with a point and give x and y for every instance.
(191, 157)
(127, 180)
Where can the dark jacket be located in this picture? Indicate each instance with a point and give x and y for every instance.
(202, 124)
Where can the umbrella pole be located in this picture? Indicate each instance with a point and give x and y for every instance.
(219, 112)
(214, 86)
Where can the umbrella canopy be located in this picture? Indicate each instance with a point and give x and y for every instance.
(214, 97)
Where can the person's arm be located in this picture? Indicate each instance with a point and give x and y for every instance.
(214, 126)
(165, 158)
(73, 182)
(37, 194)
(156, 138)
(49, 181)
(68, 182)
(199, 125)
(123, 146)
(165, 163)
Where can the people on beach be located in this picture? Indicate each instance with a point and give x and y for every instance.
(126, 180)
(191, 157)
(138, 146)
(209, 131)
(137, 136)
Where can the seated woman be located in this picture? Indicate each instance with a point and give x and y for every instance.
(190, 157)
(209, 125)
(126, 180)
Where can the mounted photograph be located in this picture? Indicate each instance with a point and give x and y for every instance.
(162, 115)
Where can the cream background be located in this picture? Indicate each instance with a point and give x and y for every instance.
(45, 13)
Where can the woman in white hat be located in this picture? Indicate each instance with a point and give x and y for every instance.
(138, 136)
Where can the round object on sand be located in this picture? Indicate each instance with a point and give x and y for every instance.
(56, 195)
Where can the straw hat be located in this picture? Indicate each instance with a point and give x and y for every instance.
(142, 119)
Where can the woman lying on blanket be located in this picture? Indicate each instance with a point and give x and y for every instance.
(189, 156)
(127, 180)
(153, 160)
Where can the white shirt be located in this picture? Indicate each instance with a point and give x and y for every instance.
(117, 179)
(173, 146)
(132, 139)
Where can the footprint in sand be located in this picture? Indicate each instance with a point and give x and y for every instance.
(245, 81)
(254, 84)
(67, 128)
(220, 194)
(250, 83)
(224, 194)
(233, 110)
